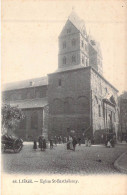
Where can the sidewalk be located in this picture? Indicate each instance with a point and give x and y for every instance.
(121, 163)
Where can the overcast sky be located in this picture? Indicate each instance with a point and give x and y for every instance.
(30, 31)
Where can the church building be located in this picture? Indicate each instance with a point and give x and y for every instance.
(75, 97)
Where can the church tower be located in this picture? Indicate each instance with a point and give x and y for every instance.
(70, 87)
(77, 48)
(73, 44)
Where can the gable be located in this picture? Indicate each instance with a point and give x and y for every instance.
(68, 29)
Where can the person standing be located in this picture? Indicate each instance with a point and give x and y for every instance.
(86, 141)
(74, 142)
(40, 141)
(60, 139)
(44, 144)
(51, 143)
(89, 142)
(35, 145)
(79, 141)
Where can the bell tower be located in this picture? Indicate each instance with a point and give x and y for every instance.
(73, 44)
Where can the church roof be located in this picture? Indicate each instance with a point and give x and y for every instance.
(76, 21)
(32, 103)
(35, 82)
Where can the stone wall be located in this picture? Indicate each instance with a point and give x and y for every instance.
(102, 90)
(69, 104)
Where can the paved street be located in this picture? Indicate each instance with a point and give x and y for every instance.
(85, 160)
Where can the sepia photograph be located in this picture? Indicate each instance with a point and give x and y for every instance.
(64, 96)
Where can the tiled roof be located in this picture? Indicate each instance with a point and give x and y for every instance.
(76, 21)
(33, 103)
(69, 68)
(26, 83)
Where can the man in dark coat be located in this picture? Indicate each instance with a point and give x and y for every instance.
(51, 143)
(44, 144)
(40, 141)
(74, 142)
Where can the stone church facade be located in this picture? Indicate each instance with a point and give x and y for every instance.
(76, 96)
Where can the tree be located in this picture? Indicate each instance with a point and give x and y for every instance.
(11, 116)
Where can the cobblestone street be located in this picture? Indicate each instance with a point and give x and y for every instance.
(85, 160)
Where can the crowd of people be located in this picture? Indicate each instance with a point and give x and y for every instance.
(71, 142)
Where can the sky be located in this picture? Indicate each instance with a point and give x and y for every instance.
(30, 30)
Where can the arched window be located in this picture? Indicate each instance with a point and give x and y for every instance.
(64, 60)
(68, 30)
(73, 58)
(86, 62)
(73, 42)
(68, 105)
(99, 110)
(86, 47)
(59, 82)
(96, 100)
(82, 44)
(57, 106)
(83, 104)
(64, 44)
(82, 60)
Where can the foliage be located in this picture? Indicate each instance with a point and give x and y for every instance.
(11, 116)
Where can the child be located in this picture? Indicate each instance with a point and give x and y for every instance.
(109, 144)
(35, 145)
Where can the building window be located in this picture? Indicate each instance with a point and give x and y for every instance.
(68, 105)
(86, 62)
(93, 42)
(64, 44)
(73, 59)
(82, 104)
(73, 42)
(68, 30)
(82, 44)
(59, 82)
(64, 60)
(86, 47)
(82, 60)
(99, 110)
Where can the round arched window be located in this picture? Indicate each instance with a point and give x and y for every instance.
(64, 60)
